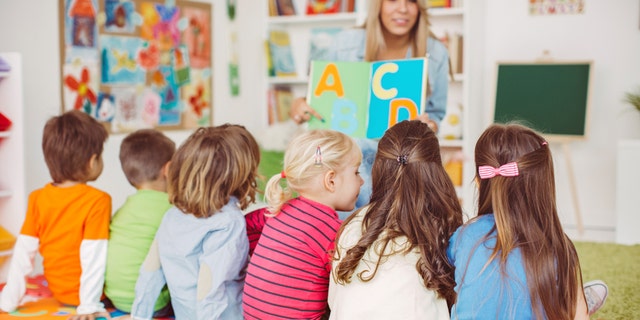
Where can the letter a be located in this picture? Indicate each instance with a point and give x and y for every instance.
(330, 70)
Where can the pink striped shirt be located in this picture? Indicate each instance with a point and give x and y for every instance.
(288, 274)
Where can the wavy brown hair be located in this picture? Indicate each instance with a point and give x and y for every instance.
(415, 200)
(211, 166)
(527, 219)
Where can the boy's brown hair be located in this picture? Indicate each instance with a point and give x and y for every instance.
(143, 153)
(68, 143)
(211, 166)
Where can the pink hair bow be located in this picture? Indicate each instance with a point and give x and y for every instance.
(506, 170)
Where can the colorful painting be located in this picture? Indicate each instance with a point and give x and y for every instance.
(554, 7)
(137, 63)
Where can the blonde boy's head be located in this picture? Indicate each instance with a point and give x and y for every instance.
(211, 166)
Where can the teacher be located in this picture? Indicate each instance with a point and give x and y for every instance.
(394, 29)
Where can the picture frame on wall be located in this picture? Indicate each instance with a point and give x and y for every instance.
(135, 64)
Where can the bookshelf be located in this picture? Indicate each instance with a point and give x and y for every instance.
(444, 21)
(12, 175)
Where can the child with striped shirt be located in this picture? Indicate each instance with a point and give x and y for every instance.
(288, 274)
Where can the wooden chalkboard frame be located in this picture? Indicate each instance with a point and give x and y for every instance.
(549, 129)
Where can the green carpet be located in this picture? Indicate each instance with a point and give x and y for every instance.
(619, 267)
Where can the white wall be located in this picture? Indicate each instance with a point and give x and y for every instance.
(608, 33)
(34, 34)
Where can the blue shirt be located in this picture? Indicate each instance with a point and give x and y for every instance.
(349, 45)
(484, 292)
(202, 261)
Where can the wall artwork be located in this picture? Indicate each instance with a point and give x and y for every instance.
(555, 7)
(135, 64)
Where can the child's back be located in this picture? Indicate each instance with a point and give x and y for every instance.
(67, 220)
(201, 248)
(144, 156)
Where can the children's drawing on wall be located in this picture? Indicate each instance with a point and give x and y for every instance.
(554, 7)
(137, 63)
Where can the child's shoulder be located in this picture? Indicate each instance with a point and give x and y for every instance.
(476, 227)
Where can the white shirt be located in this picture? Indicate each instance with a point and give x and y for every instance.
(397, 290)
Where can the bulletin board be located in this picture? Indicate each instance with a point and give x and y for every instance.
(135, 64)
(552, 98)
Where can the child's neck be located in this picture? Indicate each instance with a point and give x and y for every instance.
(156, 185)
(67, 183)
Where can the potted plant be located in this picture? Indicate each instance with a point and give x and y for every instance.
(633, 98)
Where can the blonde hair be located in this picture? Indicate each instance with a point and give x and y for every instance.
(211, 166)
(375, 41)
(301, 163)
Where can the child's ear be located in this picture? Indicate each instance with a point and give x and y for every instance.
(329, 181)
(93, 161)
(165, 169)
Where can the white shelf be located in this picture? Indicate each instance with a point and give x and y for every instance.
(313, 19)
(12, 173)
(287, 80)
(448, 143)
(442, 12)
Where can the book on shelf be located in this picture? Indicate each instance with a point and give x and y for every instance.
(439, 3)
(364, 99)
(321, 42)
(279, 100)
(285, 7)
(281, 53)
(455, 46)
(324, 6)
(270, 71)
(348, 6)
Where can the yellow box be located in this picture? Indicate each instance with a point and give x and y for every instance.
(454, 170)
(7, 240)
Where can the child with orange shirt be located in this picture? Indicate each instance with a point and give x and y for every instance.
(66, 220)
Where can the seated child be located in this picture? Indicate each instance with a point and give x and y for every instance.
(66, 220)
(288, 274)
(144, 155)
(514, 260)
(201, 248)
(390, 259)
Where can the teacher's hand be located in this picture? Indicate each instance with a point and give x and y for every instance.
(301, 112)
(424, 117)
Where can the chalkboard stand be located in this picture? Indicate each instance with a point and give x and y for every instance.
(572, 186)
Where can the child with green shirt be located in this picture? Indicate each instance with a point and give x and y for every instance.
(144, 155)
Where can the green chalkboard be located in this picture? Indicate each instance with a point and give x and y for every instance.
(549, 97)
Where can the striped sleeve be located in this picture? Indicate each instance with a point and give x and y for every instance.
(255, 223)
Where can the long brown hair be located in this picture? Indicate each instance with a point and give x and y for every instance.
(412, 197)
(526, 217)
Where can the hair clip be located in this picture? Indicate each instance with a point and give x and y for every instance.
(282, 174)
(506, 170)
(318, 157)
(402, 159)
(544, 143)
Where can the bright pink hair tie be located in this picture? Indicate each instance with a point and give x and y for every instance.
(506, 170)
